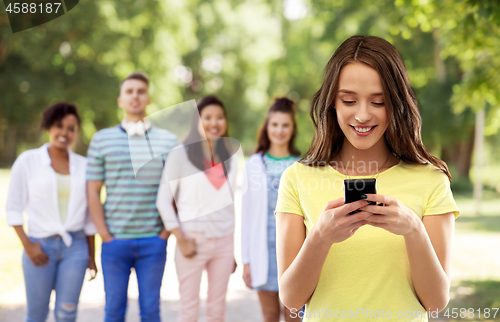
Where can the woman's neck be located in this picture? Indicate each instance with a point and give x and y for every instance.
(56, 153)
(279, 150)
(355, 162)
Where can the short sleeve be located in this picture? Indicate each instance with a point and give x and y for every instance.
(288, 196)
(95, 161)
(441, 199)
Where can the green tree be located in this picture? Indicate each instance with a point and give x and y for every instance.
(71, 59)
(467, 32)
(247, 53)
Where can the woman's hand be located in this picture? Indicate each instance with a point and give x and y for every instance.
(391, 215)
(164, 234)
(106, 238)
(335, 224)
(187, 246)
(247, 276)
(36, 254)
(92, 268)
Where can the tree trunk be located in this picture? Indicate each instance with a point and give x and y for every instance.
(459, 154)
(9, 143)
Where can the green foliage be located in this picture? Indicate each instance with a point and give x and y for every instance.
(246, 53)
(468, 31)
(476, 295)
(81, 57)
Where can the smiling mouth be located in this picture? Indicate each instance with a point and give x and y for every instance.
(363, 129)
(61, 139)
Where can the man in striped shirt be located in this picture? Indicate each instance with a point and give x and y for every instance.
(129, 223)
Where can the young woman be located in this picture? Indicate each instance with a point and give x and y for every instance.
(387, 260)
(201, 174)
(48, 184)
(275, 152)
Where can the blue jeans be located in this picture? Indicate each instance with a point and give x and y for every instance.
(64, 273)
(272, 270)
(147, 256)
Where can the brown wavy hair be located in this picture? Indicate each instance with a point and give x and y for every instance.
(282, 105)
(403, 135)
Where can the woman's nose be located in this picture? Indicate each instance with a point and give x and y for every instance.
(362, 115)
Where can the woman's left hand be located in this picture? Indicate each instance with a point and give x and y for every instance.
(92, 268)
(391, 215)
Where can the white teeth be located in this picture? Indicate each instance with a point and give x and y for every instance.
(363, 129)
(61, 139)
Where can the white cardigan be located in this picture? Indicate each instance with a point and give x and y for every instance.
(33, 189)
(254, 221)
(201, 207)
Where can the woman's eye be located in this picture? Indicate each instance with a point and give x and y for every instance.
(348, 102)
(378, 104)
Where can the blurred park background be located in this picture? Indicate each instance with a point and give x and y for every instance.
(247, 52)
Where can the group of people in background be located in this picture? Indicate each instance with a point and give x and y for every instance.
(298, 246)
(60, 191)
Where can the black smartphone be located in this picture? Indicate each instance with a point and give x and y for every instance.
(355, 188)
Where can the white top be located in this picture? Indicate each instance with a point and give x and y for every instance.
(254, 221)
(33, 189)
(63, 192)
(201, 207)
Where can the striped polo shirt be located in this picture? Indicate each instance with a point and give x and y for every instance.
(130, 207)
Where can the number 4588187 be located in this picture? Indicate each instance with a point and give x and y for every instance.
(471, 313)
(33, 7)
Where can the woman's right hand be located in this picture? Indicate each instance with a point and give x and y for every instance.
(336, 225)
(247, 276)
(107, 237)
(36, 254)
(187, 247)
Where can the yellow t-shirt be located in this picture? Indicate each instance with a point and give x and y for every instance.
(368, 275)
(63, 190)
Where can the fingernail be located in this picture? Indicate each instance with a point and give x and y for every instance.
(363, 197)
